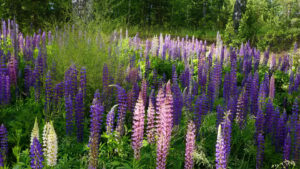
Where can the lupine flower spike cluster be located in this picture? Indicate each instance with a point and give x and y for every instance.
(151, 121)
(50, 144)
(138, 126)
(36, 154)
(110, 120)
(165, 123)
(35, 132)
(190, 145)
(3, 145)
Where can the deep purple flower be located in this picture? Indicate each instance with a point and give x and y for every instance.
(260, 150)
(110, 120)
(48, 93)
(241, 109)
(287, 147)
(226, 87)
(58, 92)
(36, 154)
(69, 115)
(1, 161)
(79, 115)
(138, 126)
(221, 160)
(220, 114)
(178, 101)
(96, 120)
(259, 123)
(122, 101)
(280, 133)
(190, 145)
(254, 93)
(201, 109)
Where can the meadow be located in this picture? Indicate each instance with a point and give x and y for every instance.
(78, 97)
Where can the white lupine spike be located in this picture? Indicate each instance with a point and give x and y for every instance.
(45, 136)
(51, 153)
(35, 131)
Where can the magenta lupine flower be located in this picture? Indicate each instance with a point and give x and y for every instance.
(110, 120)
(138, 126)
(96, 120)
(79, 115)
(36, 154)
(260, 150)
(221, 160)
(165, 129)
(3, 142)
(190, 145)
(287, 147)
(151, 121)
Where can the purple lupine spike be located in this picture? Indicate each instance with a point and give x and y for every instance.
(178, 102)
(7, 90)
(275, 120)
(269, 116)
(227, 128)
(294, 121)
(122, 101)
(1, 159)
(259, 123)
(131, 101)
(266, 56)
(165, 129)
(138, 126)
(297, 142)
(291, 83)
(211, 92)
(201, 109)
(272, 88)
(83, 81)
(287, 147)
(110, 120)
(79, 115)
(280, 133)
(221, 160)
(260, 150)
(48, 93)
(254, 93)
(160, 98)
(220, 114)
(3, 142)
(96, 121)
(190, 145)
(36, 154)
(185, 78)
(232, 106)
(217, 77)
(151, 120)
(58, 92)
(69, 115)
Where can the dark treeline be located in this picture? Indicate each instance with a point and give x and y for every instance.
(273, 23)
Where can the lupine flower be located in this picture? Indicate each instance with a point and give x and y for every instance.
(190, 145)
(1, 158)
(122, 102)
(165, 129)
(58, 92)
(287, 147)
(241, 110)
(3, 142)
(297, 142)
(260, 150)
(144, 91)
(254, 93)
(110, 119)
(178, 101)
(51, 146)
(12, 70)
(79, 115)
(35, 132)
(96, 120)
(138, 126)
(151, 121)
(280, 133)
(259, 123)
(45, 136)
(36, 154)
(272, 88)
(220, 114)
(227, 128)
(160, 98)
(221, 160)
(226, 87)
(48, 93)
(201, 109)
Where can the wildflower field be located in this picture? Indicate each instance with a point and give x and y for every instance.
(76, 98)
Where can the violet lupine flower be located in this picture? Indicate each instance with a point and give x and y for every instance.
(280, 133)
(165, 129)
(138, 126)
(48, 93)
(269, 116)
(110, 120)
(291, 82)
(1, 159)
(122, 102)
(83, 81)
(178, 102)
(226, 88)
(272, 88)
(151, 121)
(211, 93)
(58, 92)
(3, 142)
(4, 89)
(96, 120)
(217, 77)
(201, 109)
(160, 98)
(254, 93)
(260, 150)
(69, 115)
(287, 147)
(221, 160)
(266, 57)
(79, 115)
(259, 123)
(190, 145)
(297, 142)
(227, 128)
(220, 114)
(241, 109)
(36, 154)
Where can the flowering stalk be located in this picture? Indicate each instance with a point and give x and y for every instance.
(190, 145)
(79, 115)
(3, 142)
(151, 121)
(96, 120)
(36, 154)
(138, 126)
(221, 160)
(110, 120)
(260, 150)
(35, 132)
(50, 142)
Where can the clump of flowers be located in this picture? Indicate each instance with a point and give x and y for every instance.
(50, 144)
(36, 154)
(190, 145)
